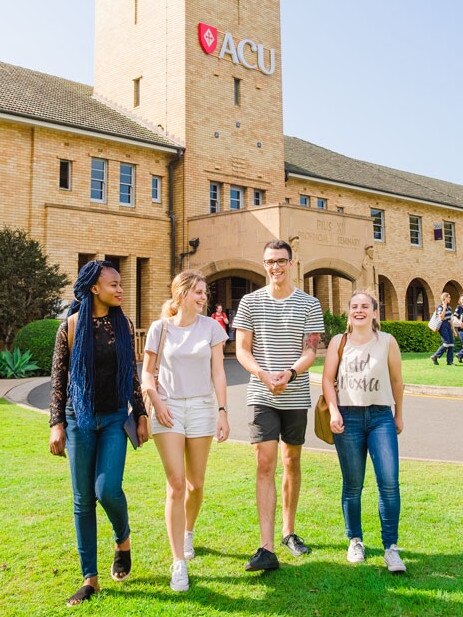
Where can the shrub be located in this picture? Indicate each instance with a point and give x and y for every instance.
(39, 337)
(16, 364)
(412, 335)
(334, 324)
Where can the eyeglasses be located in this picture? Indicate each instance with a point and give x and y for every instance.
(268, 263)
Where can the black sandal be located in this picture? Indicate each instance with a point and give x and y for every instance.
(84, 593)
(122, 564)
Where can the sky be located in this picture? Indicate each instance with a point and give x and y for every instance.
(377, 80)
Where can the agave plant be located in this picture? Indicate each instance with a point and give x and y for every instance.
(16, 364)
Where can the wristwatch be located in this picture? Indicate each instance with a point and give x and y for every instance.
(293, 374)
(223, 409)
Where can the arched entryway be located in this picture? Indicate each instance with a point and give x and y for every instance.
(331, 281)
(387, 299)
(418, 298)
(455, 291)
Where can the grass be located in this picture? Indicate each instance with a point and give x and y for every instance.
(39, 564)
(417, 368)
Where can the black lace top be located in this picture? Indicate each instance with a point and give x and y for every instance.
(105, 399)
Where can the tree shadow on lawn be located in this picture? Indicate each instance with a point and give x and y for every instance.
(431, 586)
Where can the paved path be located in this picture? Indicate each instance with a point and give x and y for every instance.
(433, 422)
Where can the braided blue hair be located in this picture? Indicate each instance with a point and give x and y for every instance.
(82, 367)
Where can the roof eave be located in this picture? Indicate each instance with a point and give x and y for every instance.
(372, 190)
(95, 133)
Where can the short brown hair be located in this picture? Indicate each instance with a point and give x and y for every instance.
(279, 244)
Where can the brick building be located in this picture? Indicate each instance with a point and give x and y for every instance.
(176, 157)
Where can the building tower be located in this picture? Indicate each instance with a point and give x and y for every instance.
(207, 73)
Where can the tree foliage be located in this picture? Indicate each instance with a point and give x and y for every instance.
(30, 288)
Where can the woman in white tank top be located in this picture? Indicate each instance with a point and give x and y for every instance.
(360, 396)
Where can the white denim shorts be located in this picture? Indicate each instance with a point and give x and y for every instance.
(193, 417)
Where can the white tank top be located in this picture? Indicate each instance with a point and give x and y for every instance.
(363, 377)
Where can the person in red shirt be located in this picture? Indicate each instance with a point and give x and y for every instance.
(220, 316)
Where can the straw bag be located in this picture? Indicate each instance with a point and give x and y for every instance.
(321, 411)
(146, 399)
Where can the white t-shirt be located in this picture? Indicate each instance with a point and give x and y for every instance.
(363, 377)
(185, 368)
(278, 327)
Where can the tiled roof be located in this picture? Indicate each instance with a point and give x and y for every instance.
(43, 97)
(307, 159)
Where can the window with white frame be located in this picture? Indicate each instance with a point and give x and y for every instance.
(127, 184)
(378, 223)
(98, 180)
(415, 231)
(156, 189)
(214, 197)
(65, 174)
(236, 197)
(321, 203)
(304, 200)
(449, 235)
(258, 197)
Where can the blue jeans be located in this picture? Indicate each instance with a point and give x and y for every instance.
(460, 336)
(446, 335)
(97, 460)
(369, 429)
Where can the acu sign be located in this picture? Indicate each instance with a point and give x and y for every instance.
(249, 54)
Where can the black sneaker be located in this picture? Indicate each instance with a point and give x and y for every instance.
(460, 359)
(434, 360)
(296, 545)
(262, 560)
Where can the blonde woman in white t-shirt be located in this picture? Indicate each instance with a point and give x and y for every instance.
(368, 385)
(187, 414)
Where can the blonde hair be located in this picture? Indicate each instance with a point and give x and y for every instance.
(443, 295)
(181, 285)
(365, 292)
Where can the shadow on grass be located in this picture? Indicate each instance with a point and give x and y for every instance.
(431, 586)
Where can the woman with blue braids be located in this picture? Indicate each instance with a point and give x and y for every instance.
(94, 378)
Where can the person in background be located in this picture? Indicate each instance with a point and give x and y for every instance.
(220, 316)
(94, 377)
(445, 331)
(186, 414)
(458, 313)
(277, 333)
(369, 383)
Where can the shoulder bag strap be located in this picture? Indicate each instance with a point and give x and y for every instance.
(342, 344)
(162, 340)
(72, 321)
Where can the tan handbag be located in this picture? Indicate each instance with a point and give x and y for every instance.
(321, 411)
(146, 399)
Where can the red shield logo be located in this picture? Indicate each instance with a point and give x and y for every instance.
(207, 37)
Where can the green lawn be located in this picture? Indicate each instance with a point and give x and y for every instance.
(417, 368)
(39, 564)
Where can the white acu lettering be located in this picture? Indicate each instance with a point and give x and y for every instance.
(261, 60)
(228, 47)
(240, 51)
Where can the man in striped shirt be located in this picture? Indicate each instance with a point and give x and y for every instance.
(277, 333)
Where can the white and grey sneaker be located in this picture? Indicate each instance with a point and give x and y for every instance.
(188, 548)
(393, 561)
(179, 580)
(356, 551)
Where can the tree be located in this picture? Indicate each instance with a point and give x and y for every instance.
(30, 288)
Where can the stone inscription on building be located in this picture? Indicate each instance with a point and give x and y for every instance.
(331, 233)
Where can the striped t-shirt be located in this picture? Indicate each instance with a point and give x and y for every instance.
(278, 328)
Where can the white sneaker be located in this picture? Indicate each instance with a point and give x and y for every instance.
(356, 551)
(393, 561)
(179, 580)
(188, 549)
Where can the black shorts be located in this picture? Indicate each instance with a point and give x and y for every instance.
(268, 424)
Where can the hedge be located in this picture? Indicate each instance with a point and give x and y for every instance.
(414, 336)
(39, 337)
